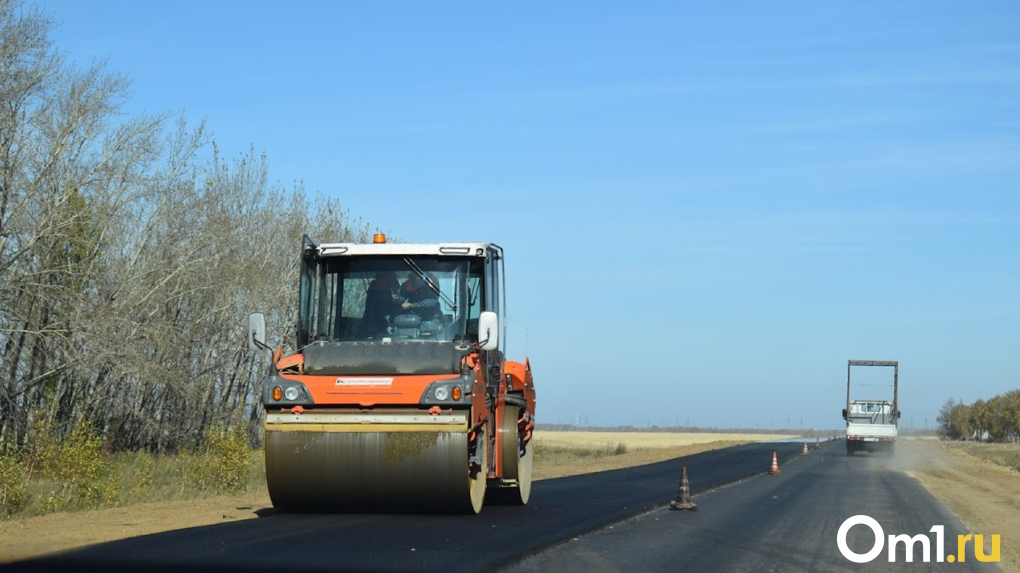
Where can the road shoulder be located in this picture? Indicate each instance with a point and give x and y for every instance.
(983, 495)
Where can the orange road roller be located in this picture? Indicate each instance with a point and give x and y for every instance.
(398, 397)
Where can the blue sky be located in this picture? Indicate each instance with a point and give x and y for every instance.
(707, 208)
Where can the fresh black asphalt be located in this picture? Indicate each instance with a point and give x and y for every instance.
(783, 523)
(560, 510)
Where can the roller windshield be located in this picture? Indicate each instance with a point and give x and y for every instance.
(394, 298)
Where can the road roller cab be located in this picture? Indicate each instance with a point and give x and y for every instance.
(398, 396)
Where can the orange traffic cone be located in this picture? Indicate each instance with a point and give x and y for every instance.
(683, 494)
(805, 452)
(775, 465)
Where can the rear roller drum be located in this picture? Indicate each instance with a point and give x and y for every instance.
(515, 487)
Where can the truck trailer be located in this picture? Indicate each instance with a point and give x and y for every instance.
(872, 424)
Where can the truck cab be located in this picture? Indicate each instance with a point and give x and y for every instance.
(871, 425)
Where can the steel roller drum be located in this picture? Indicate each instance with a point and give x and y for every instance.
(516, 486)
(359, 471)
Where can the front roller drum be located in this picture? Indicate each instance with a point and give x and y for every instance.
(355, 471)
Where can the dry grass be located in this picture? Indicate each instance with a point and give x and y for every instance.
(1006, 455)
(75, 474)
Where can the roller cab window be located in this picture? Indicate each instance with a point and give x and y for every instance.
(390, 299)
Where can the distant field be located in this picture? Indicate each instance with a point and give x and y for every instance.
(644, 440)
(566, 453)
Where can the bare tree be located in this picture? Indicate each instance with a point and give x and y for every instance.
(58, 182)
(130, 253)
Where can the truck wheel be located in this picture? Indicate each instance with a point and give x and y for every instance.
(849, 449)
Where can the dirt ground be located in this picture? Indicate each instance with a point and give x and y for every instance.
(984, 496)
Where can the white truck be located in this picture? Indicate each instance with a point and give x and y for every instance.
(872, 425)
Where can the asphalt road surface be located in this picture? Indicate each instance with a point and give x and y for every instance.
(784, 523)
(598, 522)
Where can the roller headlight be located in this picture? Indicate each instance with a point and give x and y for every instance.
(279, 391)
(448, 391)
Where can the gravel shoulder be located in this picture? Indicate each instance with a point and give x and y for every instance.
(983, 495)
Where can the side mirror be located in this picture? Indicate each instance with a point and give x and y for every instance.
(844, 413)
(257, 331)
(488, 330)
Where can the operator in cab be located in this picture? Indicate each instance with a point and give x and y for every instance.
(379, 305)
(416, 296)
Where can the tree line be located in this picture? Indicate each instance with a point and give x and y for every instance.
(131, 252)
(994, 420)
